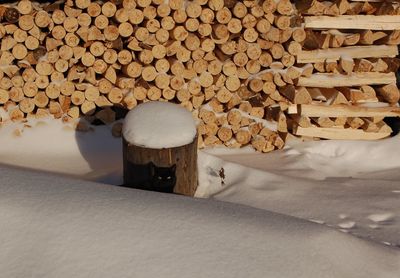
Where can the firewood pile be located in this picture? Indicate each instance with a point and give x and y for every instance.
(323, 69)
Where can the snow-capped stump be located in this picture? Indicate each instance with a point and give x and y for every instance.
(160, 148)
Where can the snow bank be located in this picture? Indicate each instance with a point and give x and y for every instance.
(342, 184)
(60, 227)
(159, 125)
(52, 146)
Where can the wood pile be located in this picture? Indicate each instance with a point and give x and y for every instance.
(313, 68)
(352, 46)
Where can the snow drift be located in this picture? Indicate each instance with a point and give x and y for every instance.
(60, 227)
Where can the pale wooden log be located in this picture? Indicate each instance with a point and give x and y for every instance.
(284, 7)
(346, 64)
(16, 115)
(19, 51)
(30, 89)
(207, 116)
(351, 39)
(88, 59)
(363, 65)
(70, 11)
(298, 95)
(339, 133)
(92, 93)
(111, 75)
(20, 35)
(311, 7)
(115, 95)
(53, 91)
(315, 40)
(370, 22)
(77, 98)
(339, 121)
(41, 100)
(58, 32)
(243, 137)
(311, 110)
(139, 93)
(224, 133)
(301, 120)
(383, 127)
(179, 15)
(282, 22)
(370, 126)
(332, 96)
(8, 43)
(392, 39)
(328, 80)
(183, 95)
(31, 43)
(261, 144)
(67, 88)
(25, 7)
(88, 108)
(323, 122)
(26, 22)
(168, 93)
(110, 56)
(390, 93)
(5, 83)
(255, 85)
(70, 24)
(379, 65)
(4, 96)
(279, 81)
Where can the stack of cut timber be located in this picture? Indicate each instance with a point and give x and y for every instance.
(235, 64)
(352, 47)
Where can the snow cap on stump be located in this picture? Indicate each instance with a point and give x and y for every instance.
(159, 125)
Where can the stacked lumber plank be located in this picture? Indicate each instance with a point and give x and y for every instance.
(236, 64)
(352, 46)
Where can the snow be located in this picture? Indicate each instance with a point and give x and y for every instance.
(74, 228)
(351, 189)
(159, 125)
(327, 181)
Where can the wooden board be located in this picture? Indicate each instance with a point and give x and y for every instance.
(364, 22)
(355, 52)
(331, 80)
(339, 133)
(312, 110)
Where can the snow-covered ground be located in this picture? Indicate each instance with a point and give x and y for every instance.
(72, 228)
(350, 186)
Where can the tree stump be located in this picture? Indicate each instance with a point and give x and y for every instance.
(150, 166)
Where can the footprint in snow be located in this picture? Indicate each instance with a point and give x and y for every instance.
(381, 217)
(347, 225)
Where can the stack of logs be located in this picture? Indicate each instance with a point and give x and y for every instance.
(236, 64)
(352, 47)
